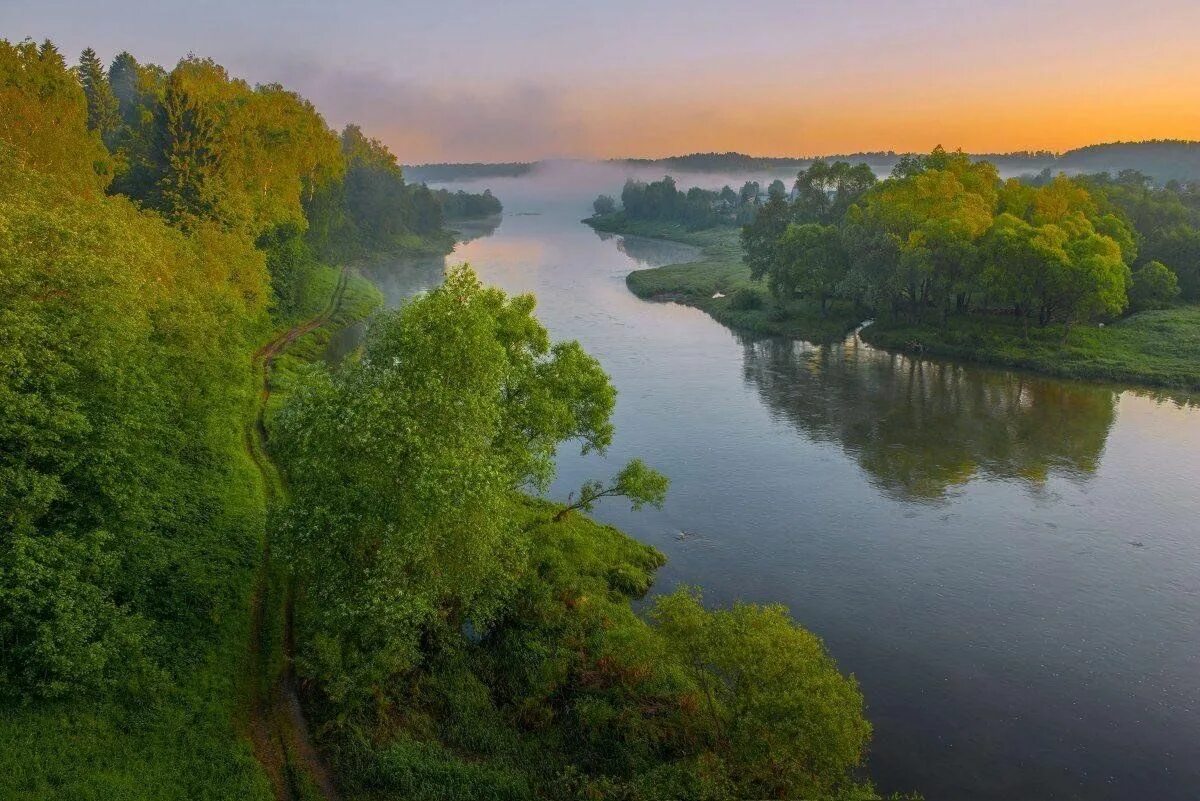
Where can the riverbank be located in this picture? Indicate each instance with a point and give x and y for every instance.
(1154, 348)
(719, 283)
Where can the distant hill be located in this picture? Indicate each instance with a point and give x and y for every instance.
(1163, 159)
(443, 173)
(881, 160)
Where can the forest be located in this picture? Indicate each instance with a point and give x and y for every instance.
(452, 633)
(944, 235)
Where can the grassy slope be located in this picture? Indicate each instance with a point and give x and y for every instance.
(360, 299)
(189, 743)
(720, 269)
(1158, 348)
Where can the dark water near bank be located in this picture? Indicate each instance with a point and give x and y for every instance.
(1010, 565)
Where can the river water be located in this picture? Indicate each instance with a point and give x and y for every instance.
(1010, 565)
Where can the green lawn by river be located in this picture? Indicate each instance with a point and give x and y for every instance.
(720, 269)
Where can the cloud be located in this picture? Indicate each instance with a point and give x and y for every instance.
(422, 122)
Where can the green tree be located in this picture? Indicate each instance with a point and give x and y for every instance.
(777, 716)
(825, 191)
(810, 261)
(187, 184)
(103, 115)
(43, 116)
(604, 205)
(637, 482)
(121, 503)
(403, 524)
(1154, 287)
(934, 212)
(760, 237)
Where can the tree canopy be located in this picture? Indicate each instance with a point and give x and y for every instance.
(942, 235)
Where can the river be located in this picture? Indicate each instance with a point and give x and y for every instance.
(1010, 565)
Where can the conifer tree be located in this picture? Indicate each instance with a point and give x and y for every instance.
(187, 185)
(101, 102)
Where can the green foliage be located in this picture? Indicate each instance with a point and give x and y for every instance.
(1166, 220)
(462, 205)
(210, 148)
(568, 694)
(943, 234)
(745, 299)
(428, 772)
(809, 260)
(186, 171)
(825, 191)
(291, 262)
(43, 117)
(637, 482)
(131, 515)
(1152, 347)
(697, 209)
(604, 205)
(114, 465)
(1154, 287)
(103, 114)
(774, 712)
(459, 400)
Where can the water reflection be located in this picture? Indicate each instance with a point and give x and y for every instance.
(469, 230)
(651, 252)
(920, 428)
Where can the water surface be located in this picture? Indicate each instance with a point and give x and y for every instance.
(1009, 564)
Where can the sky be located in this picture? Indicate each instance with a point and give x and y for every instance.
(521, 80)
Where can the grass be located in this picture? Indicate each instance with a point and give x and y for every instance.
(746, 306)
(1156, 348)
(360, 300)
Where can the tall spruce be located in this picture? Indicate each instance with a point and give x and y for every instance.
(188, 179)
(103, 113)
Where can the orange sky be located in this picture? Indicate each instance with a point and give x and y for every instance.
(525, 79)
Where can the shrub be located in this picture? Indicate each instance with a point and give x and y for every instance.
(1155, 286)
(745, 299)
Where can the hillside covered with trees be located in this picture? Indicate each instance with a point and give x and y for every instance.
(165, 235)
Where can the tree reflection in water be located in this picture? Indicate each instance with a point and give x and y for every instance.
(920, 427)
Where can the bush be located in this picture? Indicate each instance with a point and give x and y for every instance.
(1155, 286)
(745, 299)
(420, 771)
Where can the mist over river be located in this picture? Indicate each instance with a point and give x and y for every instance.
(1010, 565)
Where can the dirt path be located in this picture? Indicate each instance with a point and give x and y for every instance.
(277, 728)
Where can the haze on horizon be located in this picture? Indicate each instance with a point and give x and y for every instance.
(460, 82)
